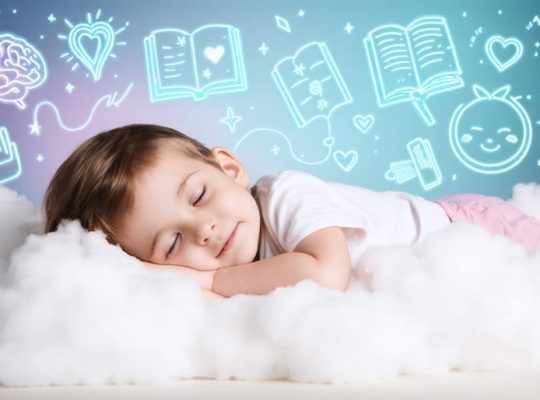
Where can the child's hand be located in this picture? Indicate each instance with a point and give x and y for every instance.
(204, 279)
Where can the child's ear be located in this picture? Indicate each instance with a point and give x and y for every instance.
(231, 165)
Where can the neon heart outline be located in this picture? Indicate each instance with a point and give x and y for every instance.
(363, 123)
(350, 163)
(504, 42)
(210, 53)
(93, 31)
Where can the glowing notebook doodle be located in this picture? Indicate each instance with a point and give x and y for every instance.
(10, 162)
(207, 61)
(413, 63)
(421, 164)
(311, 83)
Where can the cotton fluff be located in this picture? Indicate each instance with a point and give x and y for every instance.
(76, 310)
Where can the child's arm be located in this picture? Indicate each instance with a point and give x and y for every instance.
(323, 257)
(203, 278)
(207, 294)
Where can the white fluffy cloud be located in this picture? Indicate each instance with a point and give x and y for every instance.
(77, 310)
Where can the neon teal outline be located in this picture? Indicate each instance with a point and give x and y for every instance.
(103, 51)
(285, 92)
(418, 95)
(503, 166)
(505, 42)
(13, 156)
(111, 100)
(327, 142)
(158, 92)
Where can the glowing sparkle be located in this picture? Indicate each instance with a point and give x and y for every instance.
(275, 150)
(35, 128)
(231, 120)
(283, 24)
(263, 48)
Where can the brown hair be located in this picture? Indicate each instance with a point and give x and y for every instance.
(96, 181)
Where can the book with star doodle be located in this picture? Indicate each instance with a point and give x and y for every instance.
(311, 83)
(206, 61)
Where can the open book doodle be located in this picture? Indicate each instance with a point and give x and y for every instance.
(311, 83)
(207, 61)
(413, 63)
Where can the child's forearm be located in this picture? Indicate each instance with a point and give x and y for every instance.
(261, 277)
(211, 295)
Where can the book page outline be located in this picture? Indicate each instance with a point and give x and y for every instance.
(287, 96)
(158, 91)
(235, 47)
(458, 71)
(401, 94)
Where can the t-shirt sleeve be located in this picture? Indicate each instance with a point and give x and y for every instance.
(299, 204)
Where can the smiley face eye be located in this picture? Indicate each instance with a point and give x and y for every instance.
(467, 138)
(512, 139)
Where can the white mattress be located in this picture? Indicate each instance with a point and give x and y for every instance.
(522, 385)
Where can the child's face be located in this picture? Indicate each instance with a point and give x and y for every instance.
(165, 207)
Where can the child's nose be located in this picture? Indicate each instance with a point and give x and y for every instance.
(204, 231)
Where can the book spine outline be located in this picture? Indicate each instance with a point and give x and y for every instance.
(276, 75)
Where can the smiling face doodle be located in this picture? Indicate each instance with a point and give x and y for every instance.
(492, 133)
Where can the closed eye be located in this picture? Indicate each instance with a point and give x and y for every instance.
(174, 244)
(178, 234)
(200, 196)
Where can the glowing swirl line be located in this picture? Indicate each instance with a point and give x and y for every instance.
(327, 142)
(110, 99)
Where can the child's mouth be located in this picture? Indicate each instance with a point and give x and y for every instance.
(229, 242)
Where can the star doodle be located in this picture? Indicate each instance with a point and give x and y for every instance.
(263, 49)
(35, 128)
(299, 69)
(231, 120)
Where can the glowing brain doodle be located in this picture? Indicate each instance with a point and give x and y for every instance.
(22, 67)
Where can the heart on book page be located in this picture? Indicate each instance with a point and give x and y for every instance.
(503, 52)
(214, 54)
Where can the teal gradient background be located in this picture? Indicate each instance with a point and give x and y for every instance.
(261, 106)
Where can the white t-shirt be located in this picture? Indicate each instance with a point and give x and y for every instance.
(295, 204)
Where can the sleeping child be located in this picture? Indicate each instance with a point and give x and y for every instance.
(168, 200)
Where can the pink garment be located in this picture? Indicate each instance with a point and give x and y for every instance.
(495, 215)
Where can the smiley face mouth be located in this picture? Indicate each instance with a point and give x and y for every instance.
(490, 149)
